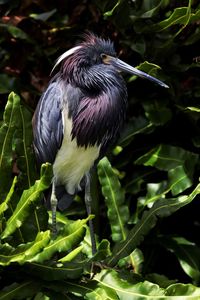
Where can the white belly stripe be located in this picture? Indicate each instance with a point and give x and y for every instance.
(72, 162)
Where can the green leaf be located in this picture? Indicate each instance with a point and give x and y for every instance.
(136, 259)
(147, 9)
(178, 162)
(21, 290)
(24, 252)
(22, 146)
(187, 253)
(148, 68)
(166, 157)
(178, 16)
(103, 251)
(155, 191)
(56, 271)
(161, 209)
(186, 291)
(136, 126)
(28, 198)
(70, 256)
(192, 108)
(118, 213)
(161, 280)
(110, 12)
(16, 32)
(157, 113)
(7, 83)
(178, 180)
(7, 130)
(69, 237)
(128, 289)
(104, 292)
(91, 290)
(4, 205)
(133, 289)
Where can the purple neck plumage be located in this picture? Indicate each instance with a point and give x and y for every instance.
(98, 95)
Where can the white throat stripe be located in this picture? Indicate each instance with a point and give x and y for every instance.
(65, 55)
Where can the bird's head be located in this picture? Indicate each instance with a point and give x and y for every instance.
(88, 53)
(97, 55)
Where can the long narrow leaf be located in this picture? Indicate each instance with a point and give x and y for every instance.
(91, 290)
(129, 290)
(70, 236)
(56, 271)
(4, 205)
(178, 162)
(29, 197)
(21, 290)
(22, 146)
(161, 208)
(134, 289)
(118, 213)
(23, 252)
(167, 157)
(7, 130)
(188, 255)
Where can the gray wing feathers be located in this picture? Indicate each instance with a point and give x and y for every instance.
(47, 124)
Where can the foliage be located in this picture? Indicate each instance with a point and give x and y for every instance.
(148, 185)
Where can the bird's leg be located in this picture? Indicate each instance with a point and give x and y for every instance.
(54, 202)
(88, 201)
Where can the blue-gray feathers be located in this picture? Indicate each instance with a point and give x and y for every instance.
(47, 124)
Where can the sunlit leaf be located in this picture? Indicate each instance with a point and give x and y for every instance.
(161, 280)
(148, 68)
(28, 198)
(4, 205)
(70, 236)
(22, 147)
(56, 271)
(109, 13)
(155, 159)
(166, 157)
(24, 252)
(192, 108)
(128, 290)
(118, 213)
(161, 209)
(178, 16)
(7, 130)
(185, 291)
(70, 256)
(179, 180)
(155, 191)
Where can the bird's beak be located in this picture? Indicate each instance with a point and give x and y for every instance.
(122, 66)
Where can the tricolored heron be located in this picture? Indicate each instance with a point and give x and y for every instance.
(79, 115)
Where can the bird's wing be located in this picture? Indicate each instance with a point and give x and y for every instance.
(47, 124)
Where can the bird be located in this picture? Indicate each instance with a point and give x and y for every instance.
(79, 115)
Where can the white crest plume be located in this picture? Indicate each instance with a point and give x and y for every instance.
(65, 55)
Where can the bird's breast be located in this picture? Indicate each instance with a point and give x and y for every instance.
(72, 161)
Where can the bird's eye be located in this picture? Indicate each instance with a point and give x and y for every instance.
(103, 56)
